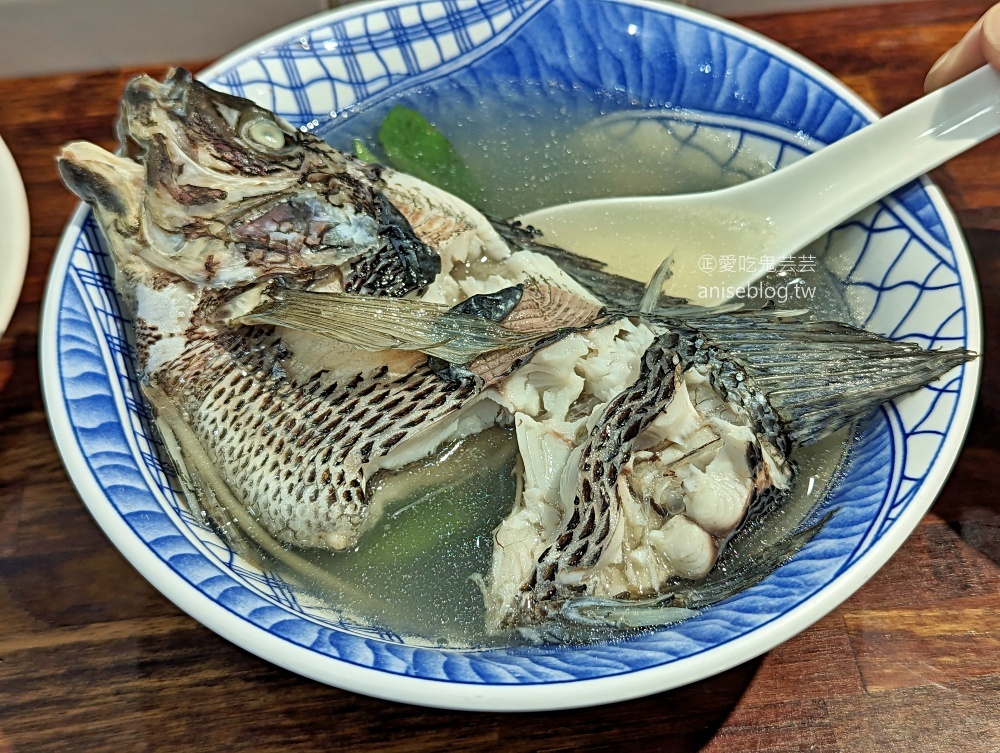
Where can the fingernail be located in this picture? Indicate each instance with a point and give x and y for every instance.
(930, 81)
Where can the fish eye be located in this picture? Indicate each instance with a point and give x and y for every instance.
(264, 133)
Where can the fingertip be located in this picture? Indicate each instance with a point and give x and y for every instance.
(936, 75)
(964, 57)
(989, 38)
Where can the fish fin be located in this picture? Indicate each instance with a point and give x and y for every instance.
(682, 599)
(380, 323)
(654, 290)
(619, 613)
(821, 376)
(203, 503)
(493, 307)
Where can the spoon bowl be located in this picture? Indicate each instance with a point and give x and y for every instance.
(777, 215)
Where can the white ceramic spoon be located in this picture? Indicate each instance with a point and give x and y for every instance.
(780, 213)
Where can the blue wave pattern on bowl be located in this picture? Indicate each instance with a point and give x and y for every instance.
(489, 46)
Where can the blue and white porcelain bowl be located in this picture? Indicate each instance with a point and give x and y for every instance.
(901, 266)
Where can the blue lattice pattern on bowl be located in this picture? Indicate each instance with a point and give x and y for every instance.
(897, 262)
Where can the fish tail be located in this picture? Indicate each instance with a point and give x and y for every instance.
(821, 376)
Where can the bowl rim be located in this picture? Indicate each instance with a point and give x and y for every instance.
(543, 695)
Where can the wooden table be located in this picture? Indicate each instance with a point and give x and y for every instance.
(93, 659)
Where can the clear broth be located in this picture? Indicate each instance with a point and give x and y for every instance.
(417, 567)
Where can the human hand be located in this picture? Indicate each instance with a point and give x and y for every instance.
(980, 45)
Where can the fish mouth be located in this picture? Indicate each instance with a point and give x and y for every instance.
(106, 181)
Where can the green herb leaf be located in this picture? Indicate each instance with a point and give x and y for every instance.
(413, 145)
(363, 153)
(421, 512)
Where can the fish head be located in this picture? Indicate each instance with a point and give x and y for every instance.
(232, 194)
(183, 124)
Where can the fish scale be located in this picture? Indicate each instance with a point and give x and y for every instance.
(262, 429)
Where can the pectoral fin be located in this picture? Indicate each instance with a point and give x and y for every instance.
(381, 323)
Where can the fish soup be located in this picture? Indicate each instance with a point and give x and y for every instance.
(426, 559)
(434, 424)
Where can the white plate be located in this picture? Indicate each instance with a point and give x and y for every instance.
(15, 234)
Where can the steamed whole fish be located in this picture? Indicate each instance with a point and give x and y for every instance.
(305, 321)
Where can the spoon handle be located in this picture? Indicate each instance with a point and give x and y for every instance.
(810, 197)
